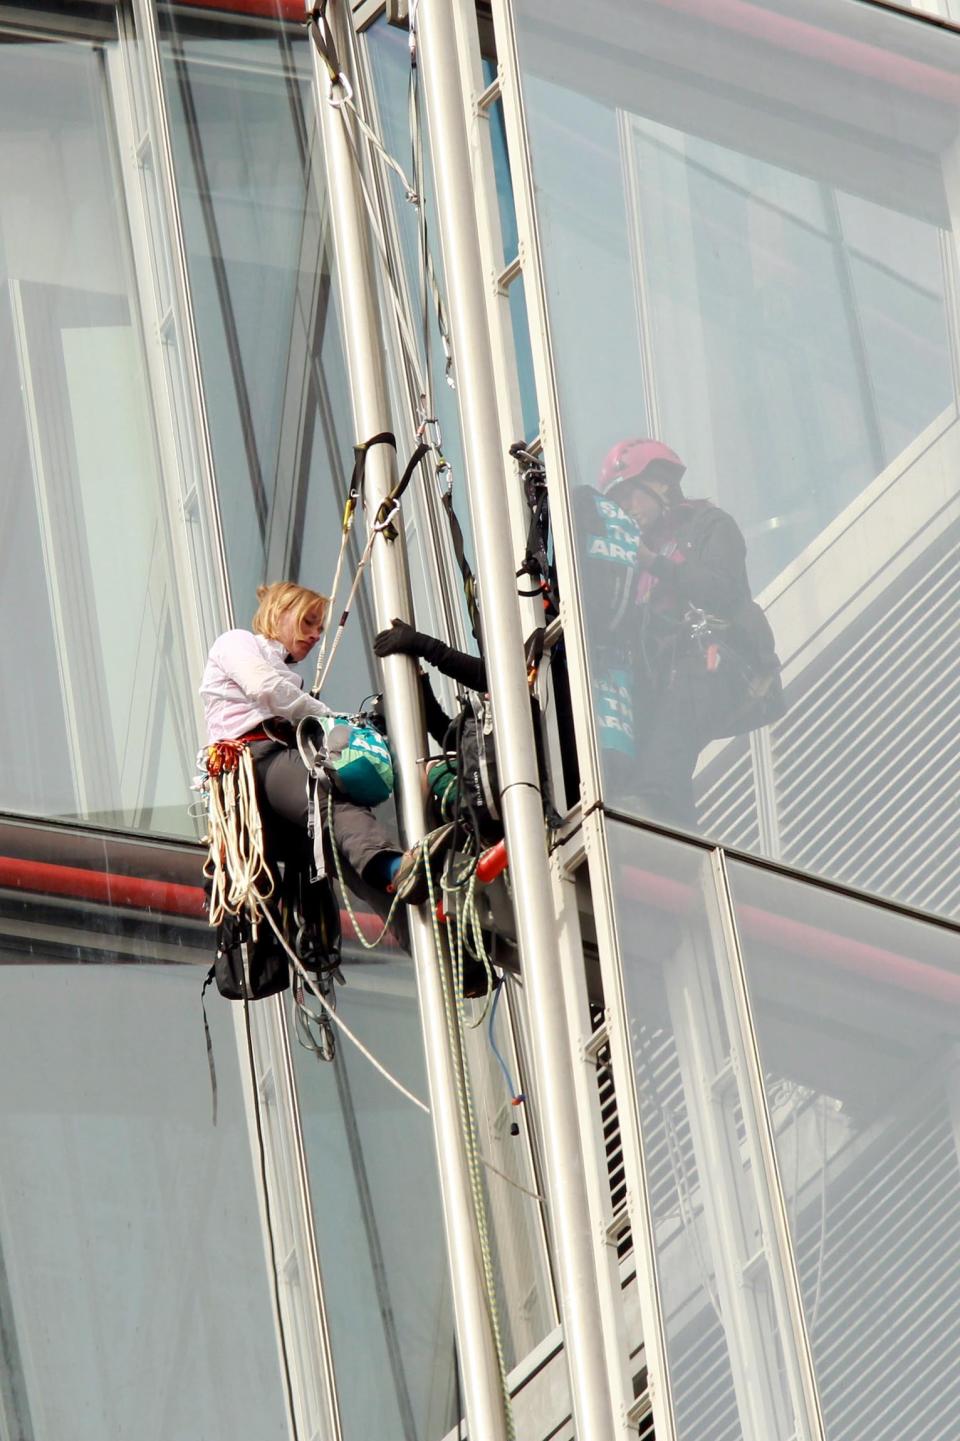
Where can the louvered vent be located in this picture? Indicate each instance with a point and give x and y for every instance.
(726, 798)
(878, 1250)
(863, 781)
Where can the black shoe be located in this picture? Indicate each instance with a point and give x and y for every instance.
(410, 882)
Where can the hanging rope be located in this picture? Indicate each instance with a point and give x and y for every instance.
(453, 1009)
(340, 95)
(311, 986)
(236, 864)
(382, 524)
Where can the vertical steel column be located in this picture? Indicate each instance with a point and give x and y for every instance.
(368, 385)
(516, 757)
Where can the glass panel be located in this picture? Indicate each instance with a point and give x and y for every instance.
(133, 1294)
(758, 205)
(724, 1350)
(857, 1012)
(507, 1134)
(103, 731)
(521, 340)
(377, 1212)
(389, 56)
(260, 261)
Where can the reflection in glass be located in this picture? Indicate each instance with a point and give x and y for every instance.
(133, 1291)
(857, 1013)
(687, 655)
(747, 216)
(724, 1351)
(96, 717)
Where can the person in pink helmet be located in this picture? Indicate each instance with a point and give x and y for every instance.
(702, 654)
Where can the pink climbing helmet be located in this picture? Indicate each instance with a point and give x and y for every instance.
(628, 459)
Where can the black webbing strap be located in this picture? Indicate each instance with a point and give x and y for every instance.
(382, 520)
(211, 974)
(469, 580)
(323, 39)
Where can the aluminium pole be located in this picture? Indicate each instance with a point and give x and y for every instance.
(482, 1388)
(521, 802)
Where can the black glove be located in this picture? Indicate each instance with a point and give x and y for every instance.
(400, 639)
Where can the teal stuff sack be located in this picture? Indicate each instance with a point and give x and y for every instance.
(358, 761)
(608, 545)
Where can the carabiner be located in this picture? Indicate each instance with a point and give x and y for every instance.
(427, 424)
(382, 522)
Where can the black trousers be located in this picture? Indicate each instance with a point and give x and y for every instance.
(359, 836)
(671, 727)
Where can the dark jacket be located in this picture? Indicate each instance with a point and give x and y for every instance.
(695, 615)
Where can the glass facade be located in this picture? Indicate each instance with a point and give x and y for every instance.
(857, 1019)
(716, 235)
(725, 1355)
(378, 1221)
(759, 202)
(134, 1290)
(96, 720)
(259, 256)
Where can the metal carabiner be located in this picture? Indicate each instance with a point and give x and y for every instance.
(428, 424)
(382, 522)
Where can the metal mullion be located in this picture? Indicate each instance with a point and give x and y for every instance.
(268, 1042)
(145, 285)
(535, 293)
(626, 127)
(516, 754)
(482, 1382)
(531, 1137)
(631, 1135)
(195, 422)
(774, 1215)
(28, 24)
(608, 1225)
(424, 498)
(503, 345)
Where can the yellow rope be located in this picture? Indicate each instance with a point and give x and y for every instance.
(457, 1037)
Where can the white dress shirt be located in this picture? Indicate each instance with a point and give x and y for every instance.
(246, 680)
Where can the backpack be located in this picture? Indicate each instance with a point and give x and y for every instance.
(249, 969)
(473, 770)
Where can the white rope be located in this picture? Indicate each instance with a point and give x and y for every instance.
(349, 513)
(368, 945)
(321, 676)
(236, 864)
(311, 985)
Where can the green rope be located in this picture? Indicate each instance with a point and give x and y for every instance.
(457, 1037)
(345, 894)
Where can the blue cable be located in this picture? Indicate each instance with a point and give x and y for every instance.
(515, 1096)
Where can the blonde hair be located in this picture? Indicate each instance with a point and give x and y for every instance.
(284, 596)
